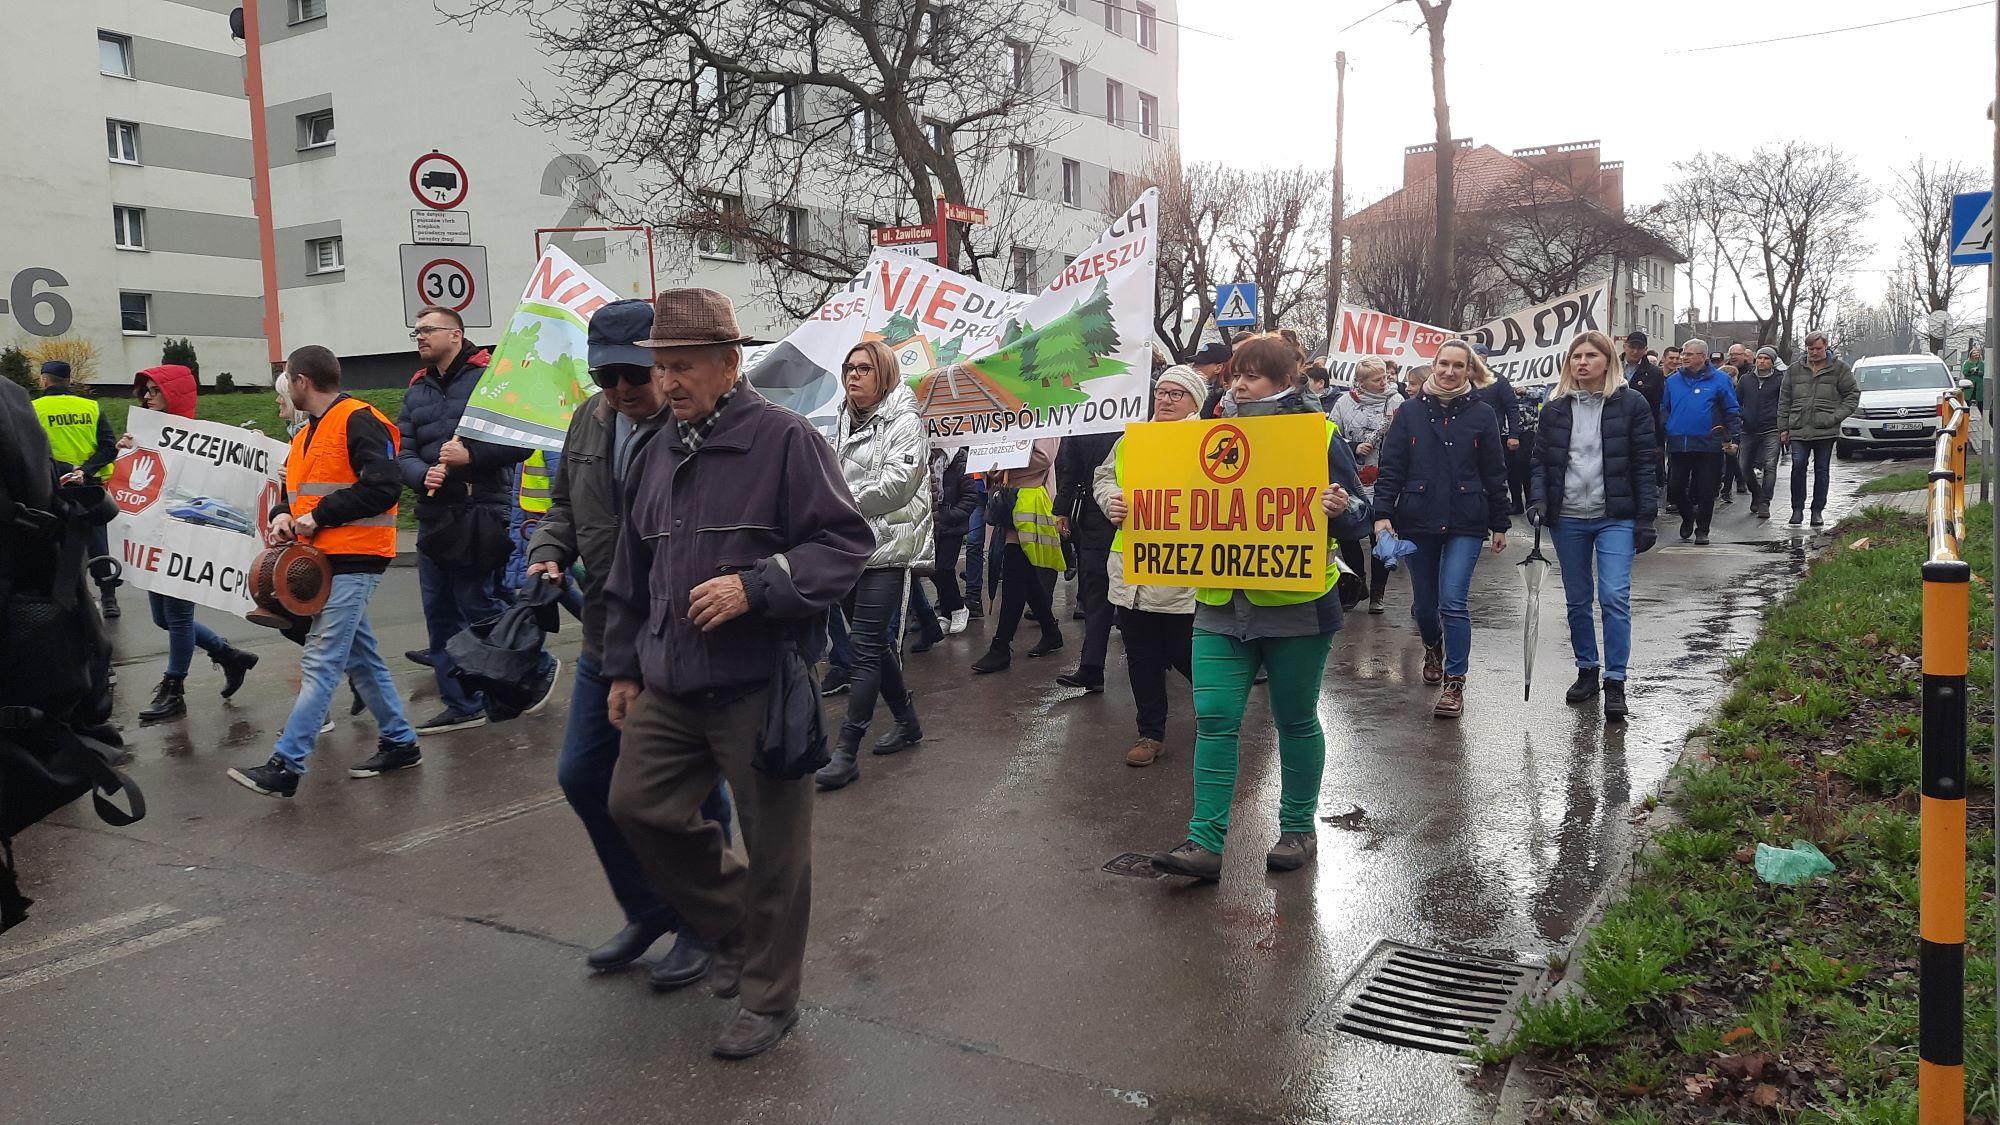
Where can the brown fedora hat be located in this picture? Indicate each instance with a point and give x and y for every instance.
(693, 318)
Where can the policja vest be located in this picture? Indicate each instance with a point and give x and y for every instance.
(318, 466)
(71, 422)
(536, 494)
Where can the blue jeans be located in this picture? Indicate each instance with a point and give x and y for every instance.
(184, 633)
(1440, 576)
(589, 752)
(454, 598)
(342, 645)
(1607, 543)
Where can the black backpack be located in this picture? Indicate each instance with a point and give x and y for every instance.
(55, 741)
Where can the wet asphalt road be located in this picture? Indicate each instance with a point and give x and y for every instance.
(409, 949)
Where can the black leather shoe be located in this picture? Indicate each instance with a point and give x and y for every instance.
(752, 1033)
(1087, 678)
(1614, 699)
(1584, 687)
(687, 962)
(1050, 642)
(626, 946)
(996, 660)
(725, 977)
(418, 656)
(235, 664)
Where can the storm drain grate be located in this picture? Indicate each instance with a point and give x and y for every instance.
(1408, 996)
(1139, 865)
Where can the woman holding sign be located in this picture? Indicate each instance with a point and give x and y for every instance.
(1444, 488)
(1239, 632)
(1594, 487)
(880, 442)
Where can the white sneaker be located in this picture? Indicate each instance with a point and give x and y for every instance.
(327, 727)
(958, 619)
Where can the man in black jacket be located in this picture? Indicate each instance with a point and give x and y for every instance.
(1757, 393)
(1085, 524)
(1642, 374)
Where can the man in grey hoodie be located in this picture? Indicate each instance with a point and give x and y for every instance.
(1757, 393)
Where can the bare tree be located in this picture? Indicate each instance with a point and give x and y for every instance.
(1197, 203)
(1391, 263)
(1922, 197)
(1800, 206)
(1544, 239)
(731, 116)
(1277, 234)
(1439, 298)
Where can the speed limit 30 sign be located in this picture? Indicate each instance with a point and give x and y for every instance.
(449, 277)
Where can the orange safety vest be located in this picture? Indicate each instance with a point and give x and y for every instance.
(318, 466)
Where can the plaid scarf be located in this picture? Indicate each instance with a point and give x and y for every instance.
(694, 434)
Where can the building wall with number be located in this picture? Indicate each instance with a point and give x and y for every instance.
(126, 123)
(400, 82)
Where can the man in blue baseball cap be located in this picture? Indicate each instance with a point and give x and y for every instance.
(586, 498)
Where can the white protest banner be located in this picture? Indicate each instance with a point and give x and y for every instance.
(801, 372)
(1527, 347)
(1363, 332)
(540, 370)
(1077, 359)
(193, 500)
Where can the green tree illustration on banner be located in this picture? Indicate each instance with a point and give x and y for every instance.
(901, 326)
(1047, 366)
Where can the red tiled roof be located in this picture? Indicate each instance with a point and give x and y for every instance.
(1480, 175)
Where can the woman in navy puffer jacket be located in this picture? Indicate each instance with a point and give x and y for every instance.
(1444, 488)
(1594, 485)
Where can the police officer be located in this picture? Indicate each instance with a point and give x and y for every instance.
(81, 441)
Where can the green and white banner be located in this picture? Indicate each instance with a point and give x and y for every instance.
(540, 371)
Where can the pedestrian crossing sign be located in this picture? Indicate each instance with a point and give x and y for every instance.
(1972, 229)
(1236, 305)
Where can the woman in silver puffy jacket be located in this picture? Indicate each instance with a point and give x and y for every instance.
(884, 456)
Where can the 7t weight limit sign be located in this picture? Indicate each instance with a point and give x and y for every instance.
(448, 277)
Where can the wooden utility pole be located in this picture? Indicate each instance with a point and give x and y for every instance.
(1440, 298)
(1333, 262)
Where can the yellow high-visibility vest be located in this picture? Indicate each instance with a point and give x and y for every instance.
(71, 421)
(1035, 523)
(536, 494)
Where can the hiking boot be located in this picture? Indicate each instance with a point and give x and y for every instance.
(687, 962)
(752, 1033)
(1051, 641)
(1451, 698)
(1086, 678)
(1144, 752)
(906, 733)
(1816, 520)
(109, 600)
(1798, 517)
(1433, 664)
(1191, 860)
(837, 680)
(235, 664)
(997, 659)
(626, 946)
(1584, 687)
(169, 701)
(956, 625)
(842, 771)
(546, 689)
(1701, 538)
(1614, 699)
(451, 719)
(389, 757)
(1375, 605)
(1292, 851)
(271, 779)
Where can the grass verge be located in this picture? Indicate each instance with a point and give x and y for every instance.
(1908, 480)
(1709, 996)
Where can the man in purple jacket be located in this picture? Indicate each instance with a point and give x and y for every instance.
(741, 532)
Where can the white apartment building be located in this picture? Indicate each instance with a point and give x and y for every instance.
(357, 91)
(129, 214)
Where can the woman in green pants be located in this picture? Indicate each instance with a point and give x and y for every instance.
(1239, 632)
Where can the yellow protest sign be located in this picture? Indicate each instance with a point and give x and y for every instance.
(1228, 504)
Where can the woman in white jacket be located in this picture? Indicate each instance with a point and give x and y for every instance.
(1157, 622)
(883, 455)
(1363, 415)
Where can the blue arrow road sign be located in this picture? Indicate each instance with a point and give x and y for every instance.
(1236, 305)
(1972, 229)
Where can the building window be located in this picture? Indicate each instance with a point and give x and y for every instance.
(1117, 191)
(135, 313)
(1149, 115)
(1021, 270)
(783, 116)
(931, 33)
(1021, 174)
(128, 228)
(1149, 27)
(1072, 183)
(114, 54)
(1020, 62)
(1114, 103)
(792, 230)
(303, 10)
(725, 212)
(938, 135)
(1071, 86)
(1068, 6)
(121, 142)
(861, 131)
(326, 255)
(315, 129)
(1113, 16)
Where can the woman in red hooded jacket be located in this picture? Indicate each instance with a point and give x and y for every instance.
(170, 388)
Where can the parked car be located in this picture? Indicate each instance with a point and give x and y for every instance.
(1899, 397)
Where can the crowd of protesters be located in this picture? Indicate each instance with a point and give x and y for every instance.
(716, 547)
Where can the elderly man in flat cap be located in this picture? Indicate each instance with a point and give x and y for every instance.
(740, 535)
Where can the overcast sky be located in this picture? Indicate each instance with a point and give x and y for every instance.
(1259, 90)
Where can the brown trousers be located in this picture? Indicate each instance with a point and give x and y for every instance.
(668, 763)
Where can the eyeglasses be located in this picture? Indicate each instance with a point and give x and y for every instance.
(610, 375)
(428, 329)
(857, 369)
(1172, 394)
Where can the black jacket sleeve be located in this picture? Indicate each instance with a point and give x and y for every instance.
(107, 447)
(1645, 445)
(1539, 454)
(1493, 479)
(377, 485)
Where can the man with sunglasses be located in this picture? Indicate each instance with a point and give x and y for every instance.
(465, 491)
(586, 503)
